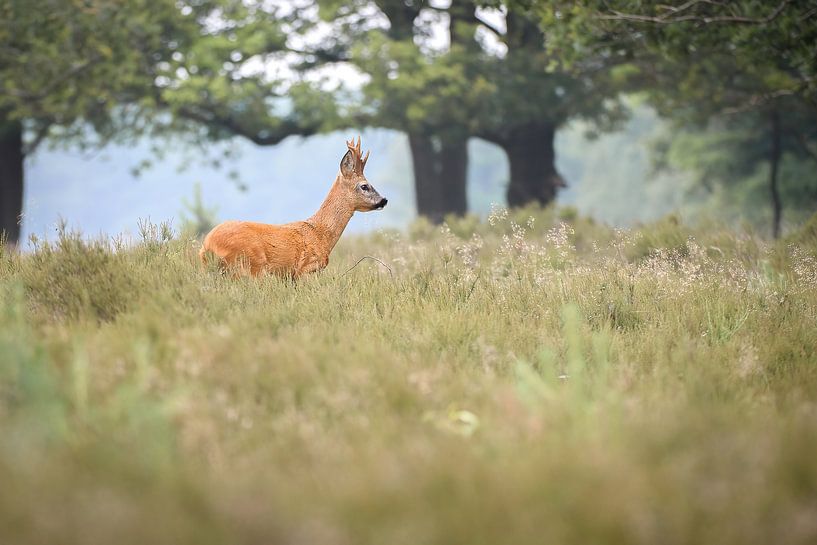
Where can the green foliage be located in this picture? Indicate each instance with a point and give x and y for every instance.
(727, 164)
(62, 62)
(517, 381)
(710, 55)
(163, 68)
(613, 176)
(734, 76)
(197, 219)
(465, 87)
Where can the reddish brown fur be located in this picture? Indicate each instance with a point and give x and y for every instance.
(302, 247)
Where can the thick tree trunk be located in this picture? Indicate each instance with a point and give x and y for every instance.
(11, 180)
(440, 173)
(774, 164)
(454, 175)
(440, 164)
(531, 156)
(428, 191)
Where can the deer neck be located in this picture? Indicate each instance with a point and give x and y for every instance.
(333, 215)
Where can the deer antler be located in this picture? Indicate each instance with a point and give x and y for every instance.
(360, 162)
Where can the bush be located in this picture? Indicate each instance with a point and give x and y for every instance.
(76, 278)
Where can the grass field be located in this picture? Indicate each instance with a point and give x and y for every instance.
(535, 378)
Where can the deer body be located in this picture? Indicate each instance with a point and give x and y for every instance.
(302, 247)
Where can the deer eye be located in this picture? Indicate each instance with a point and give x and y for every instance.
(365, 187)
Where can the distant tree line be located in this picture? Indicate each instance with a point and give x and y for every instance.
(738, 76)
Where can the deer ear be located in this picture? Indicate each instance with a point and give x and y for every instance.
(347, 164)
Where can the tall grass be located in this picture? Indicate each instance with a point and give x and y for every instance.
(536, 378)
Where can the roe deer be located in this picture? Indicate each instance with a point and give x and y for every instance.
(302, 247)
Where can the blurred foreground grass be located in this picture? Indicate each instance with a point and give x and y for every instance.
(532, 379)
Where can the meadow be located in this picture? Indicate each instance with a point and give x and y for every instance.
(533, 378)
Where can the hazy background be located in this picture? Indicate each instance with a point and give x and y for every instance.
(609, 178)
(116, 113)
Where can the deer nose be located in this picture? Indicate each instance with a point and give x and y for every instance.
(382, 202)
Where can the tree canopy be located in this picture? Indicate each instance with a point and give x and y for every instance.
(127, 68)
(743, 70)
(471, 69)
(510, 72)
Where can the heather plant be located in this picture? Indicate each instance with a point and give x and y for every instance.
(535, 377)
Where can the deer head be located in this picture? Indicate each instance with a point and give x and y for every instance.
(361, 194)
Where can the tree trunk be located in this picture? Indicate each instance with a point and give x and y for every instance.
(11, 180)
(440, 174)
(531, 156)
(454, 175)
(774, 163)
(427, 189)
